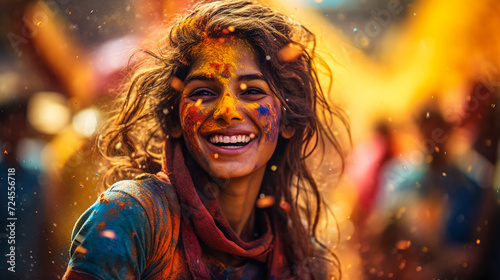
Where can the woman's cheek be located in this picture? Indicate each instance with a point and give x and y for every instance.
(192, 117)
(269, 117)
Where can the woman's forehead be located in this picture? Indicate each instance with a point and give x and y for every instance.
(224, 54)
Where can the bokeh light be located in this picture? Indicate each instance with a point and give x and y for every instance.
(48, 112)
(85, 122)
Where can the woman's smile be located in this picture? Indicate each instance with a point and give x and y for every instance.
(229, 115)
(231, 139)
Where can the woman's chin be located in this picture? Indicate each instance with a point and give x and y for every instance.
(229, 170)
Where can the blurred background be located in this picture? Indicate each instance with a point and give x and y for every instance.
(420, 81)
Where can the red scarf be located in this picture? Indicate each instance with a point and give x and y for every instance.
(205, 221)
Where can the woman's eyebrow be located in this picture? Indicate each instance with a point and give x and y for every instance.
(200, 77)
(205, 77)
(250, 77)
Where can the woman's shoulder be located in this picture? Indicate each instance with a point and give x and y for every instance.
(148, 190)
(127, 217)
(146, 204)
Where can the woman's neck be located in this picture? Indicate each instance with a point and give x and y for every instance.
(237, 202)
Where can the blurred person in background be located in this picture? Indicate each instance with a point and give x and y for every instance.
(434, 210)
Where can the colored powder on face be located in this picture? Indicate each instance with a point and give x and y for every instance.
(253, 106)
(216, 66)
(228, 104)
(192, 115)
(226, 73)
(218, 57)
(263, 110)
(210, 75)
(268, 114)
(268, 132)
(191, 118)
(271, 128)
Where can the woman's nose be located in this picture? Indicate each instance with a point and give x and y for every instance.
(227, 109)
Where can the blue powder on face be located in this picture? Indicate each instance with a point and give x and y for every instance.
(262, 110)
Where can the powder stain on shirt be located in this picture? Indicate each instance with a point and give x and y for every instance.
(101, 226)
(104, 199)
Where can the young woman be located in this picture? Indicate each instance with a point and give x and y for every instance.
(219, 117)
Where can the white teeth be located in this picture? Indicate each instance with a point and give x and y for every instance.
(231, 139)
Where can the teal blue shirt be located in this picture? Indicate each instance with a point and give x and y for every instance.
(133, 232)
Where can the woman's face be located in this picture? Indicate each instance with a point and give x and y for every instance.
(229, 116)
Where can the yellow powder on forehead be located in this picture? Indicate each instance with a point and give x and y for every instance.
(220, 55)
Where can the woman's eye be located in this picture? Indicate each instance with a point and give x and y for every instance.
(202, 92)
(253, 93)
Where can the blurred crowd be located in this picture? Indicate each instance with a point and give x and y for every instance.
(428, 200)
(420, 81)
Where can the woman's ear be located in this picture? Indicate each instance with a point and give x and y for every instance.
(287, 132)
(175, 131)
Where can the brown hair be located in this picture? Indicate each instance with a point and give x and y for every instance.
(132, 139)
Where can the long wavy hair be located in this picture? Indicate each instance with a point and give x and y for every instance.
(148, 108)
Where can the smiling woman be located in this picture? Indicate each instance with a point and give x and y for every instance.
(219, 121)
(229, 131)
